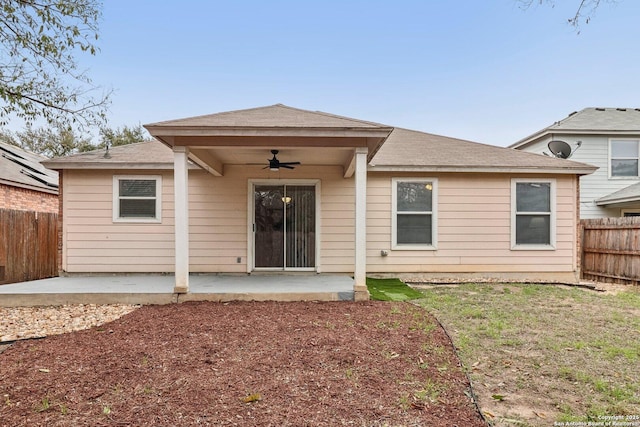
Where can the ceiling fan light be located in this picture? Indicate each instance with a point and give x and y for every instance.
(274, 169)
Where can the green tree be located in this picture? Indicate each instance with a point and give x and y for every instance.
(62, 140)
(50, 142)
(39, 73)
(122, 135)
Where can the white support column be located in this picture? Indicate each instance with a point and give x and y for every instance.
(360, 273)
(181, 206)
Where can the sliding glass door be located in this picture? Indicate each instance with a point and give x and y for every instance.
(284, 227)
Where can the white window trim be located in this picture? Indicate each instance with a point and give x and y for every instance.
(394, 216)
(610, 169)
(552, 222)
(116, 199)
(624, 211)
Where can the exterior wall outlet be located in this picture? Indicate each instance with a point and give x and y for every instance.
(239, 260)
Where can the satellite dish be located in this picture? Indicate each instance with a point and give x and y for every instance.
(560, 149)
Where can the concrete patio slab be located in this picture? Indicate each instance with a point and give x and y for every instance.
(158, 289)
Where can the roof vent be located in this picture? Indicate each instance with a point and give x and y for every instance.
(621, 109)
(571, 114)
(599, 109)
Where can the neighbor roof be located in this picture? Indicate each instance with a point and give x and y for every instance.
(419, 151)
(592, 121)
(20, 168)
(626, 195)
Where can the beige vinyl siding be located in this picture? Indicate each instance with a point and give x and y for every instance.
(218, 222)
(474, 235)
(93, 243)
(473, 217)
(337, 222)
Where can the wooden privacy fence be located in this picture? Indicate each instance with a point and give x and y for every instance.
(28, 245)
(611, 250)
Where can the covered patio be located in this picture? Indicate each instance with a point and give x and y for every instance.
(159, 289)
(319, 141)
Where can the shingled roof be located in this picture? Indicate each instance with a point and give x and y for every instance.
(273, 116)
(419, 151)
(611, 121)
(20, 168)
(402, 150)
(625, 195)
(148, 155)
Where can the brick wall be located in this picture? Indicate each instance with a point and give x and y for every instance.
(23, 199)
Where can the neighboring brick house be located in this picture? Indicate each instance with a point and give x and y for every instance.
(24, 183)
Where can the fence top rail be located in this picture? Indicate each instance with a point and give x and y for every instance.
(610, 223)
(612, 227)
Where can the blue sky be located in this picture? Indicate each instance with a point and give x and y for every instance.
(486, 71)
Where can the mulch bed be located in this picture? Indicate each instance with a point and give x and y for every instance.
(244, 364)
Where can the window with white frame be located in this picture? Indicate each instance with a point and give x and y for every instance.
(533, 214)
(630, 212)
(414, 213)
(136, 198)
(625, 156)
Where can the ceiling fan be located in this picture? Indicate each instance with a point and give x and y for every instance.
(275, 164)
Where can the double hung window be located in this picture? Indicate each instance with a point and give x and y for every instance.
(625, 155)
(533, 214)
(136, 198)
(414, 213)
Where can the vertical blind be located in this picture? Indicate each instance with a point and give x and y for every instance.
(300, 214)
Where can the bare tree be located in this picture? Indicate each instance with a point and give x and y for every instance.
(584, 12)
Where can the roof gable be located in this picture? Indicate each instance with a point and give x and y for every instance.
(274, 116)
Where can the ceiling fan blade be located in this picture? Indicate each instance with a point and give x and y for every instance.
(289, 163)
(286, 166)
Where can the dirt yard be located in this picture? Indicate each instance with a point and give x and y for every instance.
(245, 364)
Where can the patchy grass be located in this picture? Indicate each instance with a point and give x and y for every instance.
(551, 353)
(391, 290)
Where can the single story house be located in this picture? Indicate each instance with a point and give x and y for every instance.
(280, 189)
